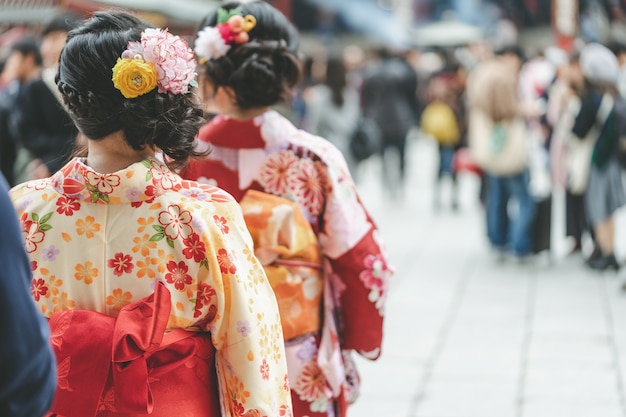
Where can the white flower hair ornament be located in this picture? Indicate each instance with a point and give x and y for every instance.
(232, 27)
(159, 60)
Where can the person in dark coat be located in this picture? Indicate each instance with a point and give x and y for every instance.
(389, 97)
(22, 65)
(27, 363)
(47, 132)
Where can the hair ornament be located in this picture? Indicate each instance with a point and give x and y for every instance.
(160, 60)
(232, 28)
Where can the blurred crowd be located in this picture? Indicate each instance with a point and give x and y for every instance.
(528, 125)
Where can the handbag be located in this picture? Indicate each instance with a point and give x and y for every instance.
(366, 139)
(498, 148)
(579, 151)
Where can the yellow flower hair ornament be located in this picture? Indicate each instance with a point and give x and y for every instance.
(160, 60)
(232, 28)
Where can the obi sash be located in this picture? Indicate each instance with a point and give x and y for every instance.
(129, 366)
(288, 248)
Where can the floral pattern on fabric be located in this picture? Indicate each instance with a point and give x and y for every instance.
(271, 155)
(102, 241)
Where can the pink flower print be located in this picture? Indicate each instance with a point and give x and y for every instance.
(194, 248)
(175, 222)
(178, 275)
(38, 288)
(32, 236)
(221, 223)
(275, 172)
(196, 193)
(375, 278)
(243, 327)
(103, 183)
(284, 411)
(50, 253)
(134, 194)
(121, 264)
(310, 383)
(265, 370)
(67, 205)
(226, 264)
(307, 186)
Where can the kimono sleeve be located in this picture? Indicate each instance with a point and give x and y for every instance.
(360, 272)
(246, 330)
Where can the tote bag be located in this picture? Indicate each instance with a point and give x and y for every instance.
(498, 148)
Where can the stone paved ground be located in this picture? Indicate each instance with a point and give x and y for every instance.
(466, 336)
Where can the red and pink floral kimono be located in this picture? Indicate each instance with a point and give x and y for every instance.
(322, 252)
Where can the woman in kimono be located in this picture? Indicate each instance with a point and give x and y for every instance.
(321, 250)
(156, 303)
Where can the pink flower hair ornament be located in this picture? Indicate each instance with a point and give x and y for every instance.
(159, 60)
(232, 28)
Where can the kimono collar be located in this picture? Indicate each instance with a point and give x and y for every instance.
(141, 181)
(262, 131)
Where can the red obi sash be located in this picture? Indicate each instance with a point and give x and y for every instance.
(129, 366)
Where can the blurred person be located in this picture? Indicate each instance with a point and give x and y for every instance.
(563, 107)
(156, 304)
(440, 121)
(27, 364)
(334, 109)
(23, 64)
(604, 192)
(389, 97)
(47, 134)
(321, 249)
(498, 142)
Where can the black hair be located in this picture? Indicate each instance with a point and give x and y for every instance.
(63, 22)
(336, 78)
(28, 45)
(166, 121)
(263, 70)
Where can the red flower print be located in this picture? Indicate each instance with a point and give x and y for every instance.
(38, 288)
(194, 248)
(221, 222)
(275, 172)
(307, 185)
(33, 265)
(175, 222)
(163, 177)
(265, 370)
(238, 408)
(226, 264)
(204, 297)
(284, 411)
(121, 264)
(32, 235)
(178, 275)
(286, 382)
(103, 183)
(310, 383)
(67, 206)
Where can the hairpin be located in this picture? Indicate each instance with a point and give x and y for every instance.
(232, 28)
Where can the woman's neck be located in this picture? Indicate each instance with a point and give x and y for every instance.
(112, 153)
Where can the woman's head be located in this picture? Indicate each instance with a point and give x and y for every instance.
(336, 78)
(163, 117)
(260, 69)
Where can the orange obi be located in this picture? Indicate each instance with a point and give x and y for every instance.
(288, 248)
(129, 366)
